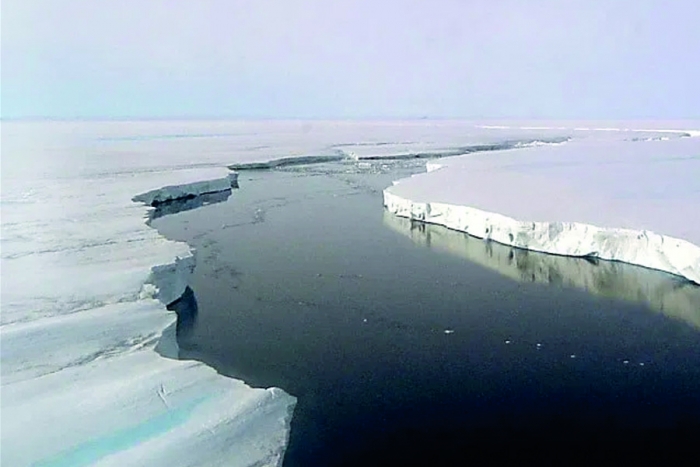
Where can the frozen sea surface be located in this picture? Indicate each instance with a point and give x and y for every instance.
(88, 370)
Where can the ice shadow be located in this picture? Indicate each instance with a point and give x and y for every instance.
(189, 203)
(187, 310)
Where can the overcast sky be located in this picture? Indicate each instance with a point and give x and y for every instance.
(354, 59)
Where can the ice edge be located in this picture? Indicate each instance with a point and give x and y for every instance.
(188, 190)
(401, 154)
(167, 283)
(638, 247)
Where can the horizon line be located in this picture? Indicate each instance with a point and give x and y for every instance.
(327, 119)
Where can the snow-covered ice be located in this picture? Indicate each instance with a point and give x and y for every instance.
(89, 369)
(630, 201)
(88, 363)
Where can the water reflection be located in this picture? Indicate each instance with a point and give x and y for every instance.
(187, 204)
(673, 296)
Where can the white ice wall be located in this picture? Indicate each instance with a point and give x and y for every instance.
(635, 202)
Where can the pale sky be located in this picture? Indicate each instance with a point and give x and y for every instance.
(351, 59)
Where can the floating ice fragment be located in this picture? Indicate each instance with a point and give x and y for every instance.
(148, 291)
(507, 342)
(626, 362)
(572, 356)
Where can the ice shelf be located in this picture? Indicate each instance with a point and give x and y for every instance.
(630, 201)
(88, 365)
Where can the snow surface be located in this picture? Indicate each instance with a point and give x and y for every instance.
(89, 375)
(88, 365)
(630, 201)
(78, 350)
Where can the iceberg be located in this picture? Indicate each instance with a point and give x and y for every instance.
(628, 201)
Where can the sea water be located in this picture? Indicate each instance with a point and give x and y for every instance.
(405, 342)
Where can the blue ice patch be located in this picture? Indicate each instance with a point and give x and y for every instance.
(91, 451)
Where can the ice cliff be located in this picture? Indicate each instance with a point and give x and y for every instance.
(635, 202)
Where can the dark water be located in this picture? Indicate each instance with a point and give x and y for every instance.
(409, 344)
